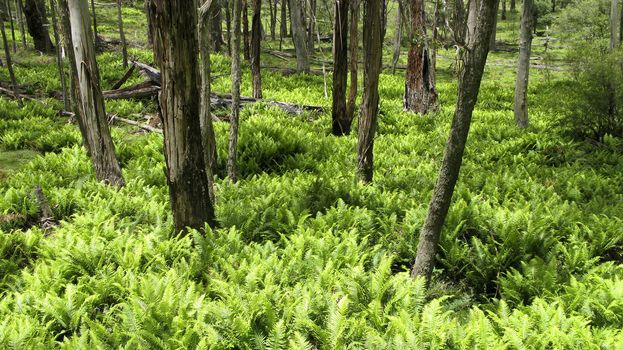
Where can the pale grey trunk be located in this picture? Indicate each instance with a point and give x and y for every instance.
(523, 64)
(298, 36)
(90, 102)
(475, 57)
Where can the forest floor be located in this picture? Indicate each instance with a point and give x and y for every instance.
(305, 256)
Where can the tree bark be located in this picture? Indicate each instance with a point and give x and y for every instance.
(298, 36)
(36, 22)
(256, 37)
(207, 129)
(354, 59)
(124, 44)
(475, 57)
(89, 102)
(246, 39)
(341, 122)
(523, 64)
(373, 48)
(420, 93)
(175, 49)
(232, 172)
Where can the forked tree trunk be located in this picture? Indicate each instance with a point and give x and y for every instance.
(89, 102)
(523, 64)
(475, 57)
(298, 36)
(354, 59)
(256, 37)
(341, 123)
(246, 39)
(59, 55)
(420, 93)
(373, 54)
(124, 45)
(207, 129)
(175, 49)
(36, 22)
(232, 172)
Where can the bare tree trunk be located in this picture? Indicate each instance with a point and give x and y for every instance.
(124, 45)
(341, 122)
(475, 57)
(59, 55)
(373, 49)
(36, 21)
(398, 37)
(246, 39)
(523, 64)
(217, 27)
(89, 102)
(9, 62)
(420, 93)
(20, 20)
(232, 172)
(354, 59)
(175, 48)
(256, 37)
(298, 36)
(10, 13)
(207, 129)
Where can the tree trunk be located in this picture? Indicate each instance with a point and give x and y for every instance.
(372, 60)
(523, 64)
(232, 172)
(89, 102)
(124, 45)
(175, 49)
(256, 37)
(398, 37)
(354, 59)
(216, 34)
(10, 13)
(207, 129)
(298, 36)
(341, 122)
(246, 40)
(9, 62)
(475, 57)
(36, 22)
(59, 55)
(20, 20)
(420, 93)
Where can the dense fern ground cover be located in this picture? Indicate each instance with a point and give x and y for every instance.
(306, 257)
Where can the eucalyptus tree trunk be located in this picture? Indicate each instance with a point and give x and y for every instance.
(36, 22)
(341, 123)
(207, 129)
(246, 39)
(523, 64)
(232, 172)
(298, 36)
(175, 49)
(20, 22)
(89, 102)
(354, 59)
(373, 55)
(475, 57)
(398, 37)
(124, 44)
(9, 62)
(10, 13)
(256, 38)
(420, 93)
(59, 55)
